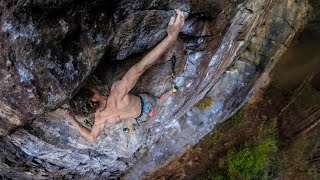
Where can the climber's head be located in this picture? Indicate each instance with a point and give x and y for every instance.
(85, 102)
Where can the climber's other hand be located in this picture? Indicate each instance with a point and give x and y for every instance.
(69, 115)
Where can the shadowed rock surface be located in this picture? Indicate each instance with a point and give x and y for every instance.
(49, 48)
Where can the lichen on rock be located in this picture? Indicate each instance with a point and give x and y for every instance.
(204, 103)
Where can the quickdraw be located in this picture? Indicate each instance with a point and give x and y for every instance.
(174, 87)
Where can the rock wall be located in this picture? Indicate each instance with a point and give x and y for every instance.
(266, 34)
(49, 48)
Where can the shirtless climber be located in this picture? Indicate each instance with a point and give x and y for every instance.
(120, 103)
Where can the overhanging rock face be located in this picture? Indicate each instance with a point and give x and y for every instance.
(48, 49)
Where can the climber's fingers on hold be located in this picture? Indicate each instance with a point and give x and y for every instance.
(68, 114)
(171, 22)
(180, 18)
(177, 11)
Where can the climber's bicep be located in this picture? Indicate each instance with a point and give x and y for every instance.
(129, 80)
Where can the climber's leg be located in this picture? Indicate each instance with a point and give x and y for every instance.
(164, 97)
(147, 126)
(130, 125)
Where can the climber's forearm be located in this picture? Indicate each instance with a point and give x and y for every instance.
(87, 133)
(132, 76)
(155, 54)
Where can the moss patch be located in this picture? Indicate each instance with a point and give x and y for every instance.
(257, 62)
(249, 161)
(251, 48)
(204, 103)
(246, 163)
(211, 175)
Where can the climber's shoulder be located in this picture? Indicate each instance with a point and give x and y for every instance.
(119, 88)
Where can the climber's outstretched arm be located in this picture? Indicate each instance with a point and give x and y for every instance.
(92, 134)
(131, 77)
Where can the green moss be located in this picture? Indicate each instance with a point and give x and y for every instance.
(204, 103)
(249, 160)
(251, 48)
(211, 175)
(257, 62)
(234, 120)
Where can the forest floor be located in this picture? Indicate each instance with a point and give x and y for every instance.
(289, 109)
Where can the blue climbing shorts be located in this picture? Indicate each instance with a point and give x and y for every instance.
(148, 104)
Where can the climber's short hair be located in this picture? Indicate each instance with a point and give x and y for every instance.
(82, 104)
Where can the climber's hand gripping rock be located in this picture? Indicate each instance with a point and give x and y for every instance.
(175, 24)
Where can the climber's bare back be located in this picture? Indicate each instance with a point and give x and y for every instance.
(119, 106)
